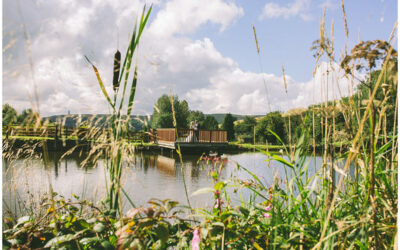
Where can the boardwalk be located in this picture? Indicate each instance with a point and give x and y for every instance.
(187, 138)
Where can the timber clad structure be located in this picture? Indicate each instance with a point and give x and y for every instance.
(168, 138)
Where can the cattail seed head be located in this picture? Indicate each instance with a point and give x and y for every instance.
(117, 66)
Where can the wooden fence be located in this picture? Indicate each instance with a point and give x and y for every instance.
(190, 136)
(60, 132)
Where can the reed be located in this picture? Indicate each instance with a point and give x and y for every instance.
(116, 146)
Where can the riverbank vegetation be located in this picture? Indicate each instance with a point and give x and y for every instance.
(350, 202)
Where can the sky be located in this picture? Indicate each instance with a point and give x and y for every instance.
(201, 50)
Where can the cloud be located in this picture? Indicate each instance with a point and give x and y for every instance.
(182, 16)
(168, 59)
(296, 8)
(243, 92)
(61, 33)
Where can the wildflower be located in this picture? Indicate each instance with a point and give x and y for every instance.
(267, 215)
(219, 203)
(268, 208)
(196, 240)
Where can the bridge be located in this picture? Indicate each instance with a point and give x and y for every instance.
(188, 138)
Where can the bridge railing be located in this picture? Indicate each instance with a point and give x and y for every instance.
(192, 136)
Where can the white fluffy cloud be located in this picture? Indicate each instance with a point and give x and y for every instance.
(182, 16)
(193, 69)
(296, 8)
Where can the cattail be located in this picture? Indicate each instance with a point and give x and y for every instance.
(117, 66)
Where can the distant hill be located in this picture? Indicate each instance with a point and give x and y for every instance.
(220, 117)
(137, 121)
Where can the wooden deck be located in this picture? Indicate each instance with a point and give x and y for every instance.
(187, 138)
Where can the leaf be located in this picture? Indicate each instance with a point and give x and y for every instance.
(89, 240)
(203, 191)
(84, 224)
(244, 211)
(22, 220)
(59, 240)
(219, 185)
(99, 227)
(162, 232)
(255, 244)
(107, 245)
(132, 94)
(218, 224)
(283, 161)
(103, 89)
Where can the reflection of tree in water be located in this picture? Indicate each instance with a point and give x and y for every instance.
(144, 161)
(78, 158)
(195, 170)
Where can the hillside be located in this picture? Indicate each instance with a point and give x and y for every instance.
(220, 117)
(138, 121)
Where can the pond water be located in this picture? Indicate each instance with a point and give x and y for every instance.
(149, 175)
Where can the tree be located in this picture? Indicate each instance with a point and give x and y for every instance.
(245, 130)
(28, 116)
(10, 115)
(196, 115)
(162, 114)
(272, 121)
(210, 123)
(228, 125)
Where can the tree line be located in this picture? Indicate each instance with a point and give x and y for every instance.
(258, 129)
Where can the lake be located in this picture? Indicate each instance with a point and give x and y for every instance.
(148, 175)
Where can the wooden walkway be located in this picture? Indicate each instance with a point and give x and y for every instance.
(188, 138)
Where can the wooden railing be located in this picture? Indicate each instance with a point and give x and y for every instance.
(165, 134)
(190, 136)
(59, 132)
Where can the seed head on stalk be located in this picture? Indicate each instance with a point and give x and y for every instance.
(117, 67)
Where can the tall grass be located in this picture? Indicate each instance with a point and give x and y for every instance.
(299, 210)
(118, 147)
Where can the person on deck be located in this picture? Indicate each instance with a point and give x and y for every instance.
(196, 128)
(191, 134)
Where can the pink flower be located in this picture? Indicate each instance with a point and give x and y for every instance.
(196, 240)
(219, 203)
(268, 208)
(267, 215)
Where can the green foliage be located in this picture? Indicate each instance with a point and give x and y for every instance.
(271, 122)
(27, 117)
(115, 147)
(162, 114)
(244, 130)
(64, 224)
(209, 123)
(228, 125)
(196, 115)
(10, 115)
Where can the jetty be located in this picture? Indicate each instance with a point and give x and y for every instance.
(189, 138)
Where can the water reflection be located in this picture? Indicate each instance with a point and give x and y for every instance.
(148, 175)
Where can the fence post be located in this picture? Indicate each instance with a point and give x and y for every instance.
(56, 136)
(210, 135)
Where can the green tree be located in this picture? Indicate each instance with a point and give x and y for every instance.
(272, 121)
(196, 115)
(210, 123)
(27, 117)
(228, 125)
(162, 114)
(245, 130)
(10, 115)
